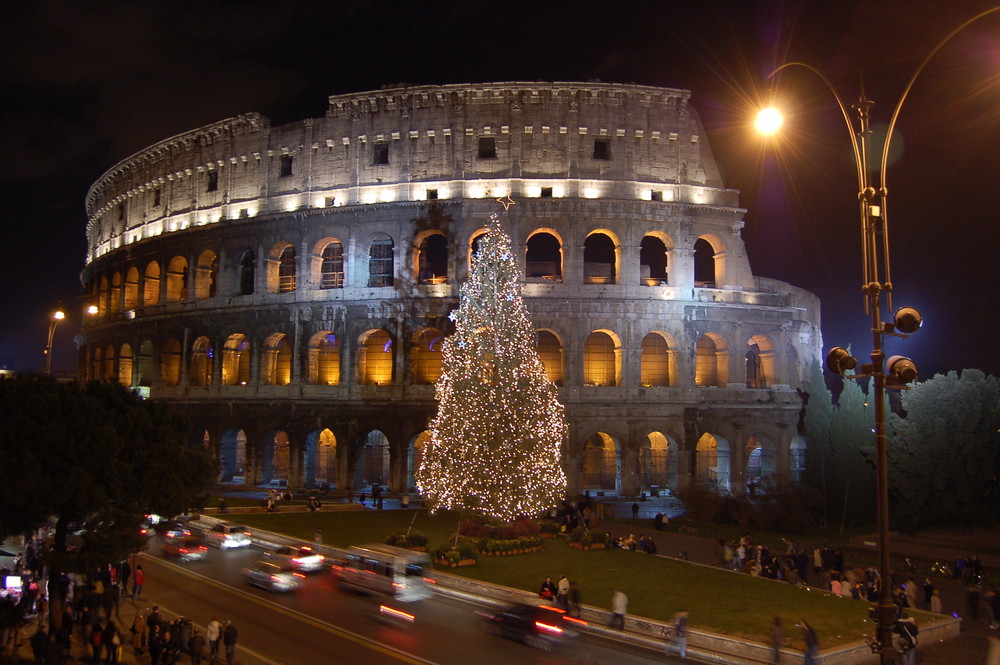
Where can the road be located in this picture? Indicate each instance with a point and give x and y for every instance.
(319, 624)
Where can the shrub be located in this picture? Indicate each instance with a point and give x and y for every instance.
(412, 539)
(548, 526)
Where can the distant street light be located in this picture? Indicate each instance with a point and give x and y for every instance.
(54, 320)
(898, 370)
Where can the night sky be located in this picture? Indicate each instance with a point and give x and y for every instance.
(86, 84)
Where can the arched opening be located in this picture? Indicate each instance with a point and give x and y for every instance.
(102, 297)
(132, 288)
(331, 269)
(759, 362)
(275, 456)
(247, 272)
(543, 260)
(704, 264)
(711, 361)
(657, 469)
(797, 458)
(381, 261)
(98, 366)
(236, 361)
(375, 358)
(320, 463)
(601, 360)
(151, 284)
(599, 259)
(652, 261)
(125, 365)
(286, 270)
(414, 457)
(324, 359)
(712, 461)
(116, 293)
(371, 461)
(233, 457)
(177, 279)
(144, 364)
(655, 363)
(550, 352)
(432, 259)
(170, 363)
(600, 463)
(109, 363)
(427, 356)
(201, 362)
(206, 275)
(276, 367)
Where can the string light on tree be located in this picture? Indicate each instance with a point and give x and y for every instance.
(495, 443)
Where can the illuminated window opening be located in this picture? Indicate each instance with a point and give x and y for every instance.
(655, 361)
(550, 352)
(332, 266)
(132, 288)
(170, 363)
(116, 293)
(125, 366)
(286, 270)
(599, 259)
(375, 361)
(206, 275)
(201, 362)
(324, 359)
(151, 285)
(236, 361)
(276, 367)
(177, 279)
(601, 357)
(144, 364)
(427, 357)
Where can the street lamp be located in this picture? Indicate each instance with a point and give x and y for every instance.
(54, 320)
(897, 371)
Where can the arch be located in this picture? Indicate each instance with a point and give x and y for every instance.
(711, 362)
(426, 356)
(248, 272)
(761, 467)
(177, 279)
(797, 457)
(706, 271)
(375, 358)
(328, 264)
(202, 356)
(170, 363)
(102, 297)
(381, 261)
(144, 364)
(712, 461)
(658, 470)
(236, 360)
(601, 463)
(115, 296)
(602, 359)
(324, 359)
(109, 364)
(206, 275)
(286, 270)
(98, 365)
(151, 284)
(131, 288)
(276, 363)
(759, 362)
(658, 362)
(431, 258)
(600, 258)
(125, 365)
(275, 456)
(550, 352)
(654, 260)
(371, 460)
(414, 457)
(474, 242)
(320, 460)
(233, 457)
(543, 256)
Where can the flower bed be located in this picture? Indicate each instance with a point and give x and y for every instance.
(583, 539)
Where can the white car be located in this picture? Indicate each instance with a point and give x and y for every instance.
(272, 577)
(303, 559)
(228, 535)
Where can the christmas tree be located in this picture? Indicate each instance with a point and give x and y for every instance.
(494, 445)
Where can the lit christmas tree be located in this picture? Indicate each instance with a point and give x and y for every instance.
(494, 445)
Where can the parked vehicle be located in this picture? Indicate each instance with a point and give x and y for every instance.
(271, 576)
(385, 569)
(302, 559)
(539, 626)
(184, 548)
(228, 535)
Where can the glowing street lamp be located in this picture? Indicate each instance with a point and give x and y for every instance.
(54, 320)
(897, 371)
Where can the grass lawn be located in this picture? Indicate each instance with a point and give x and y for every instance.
(719, 601)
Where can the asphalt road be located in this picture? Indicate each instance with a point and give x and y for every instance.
(320, 624)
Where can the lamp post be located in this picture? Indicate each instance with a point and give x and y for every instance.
(897, 371)
(54, 320)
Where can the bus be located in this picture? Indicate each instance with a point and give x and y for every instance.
(385, 569)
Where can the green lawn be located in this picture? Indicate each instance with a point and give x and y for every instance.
(718, 600)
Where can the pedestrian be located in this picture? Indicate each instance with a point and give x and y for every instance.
(619, 605)
(139, 631)
(635, 511)
(39, 642)
(574, 600)
(213, 632)
(222, 505)
(936, 602)
(96, 640)
(812, 643)
(777, 638)
(681, 633)
(562, 593)
(229, 636)
(318, 537)
(155, 643)
(196, 647)
(404, 501)
(111, 641)
(972, 599)
(907, 641)
(139, 580)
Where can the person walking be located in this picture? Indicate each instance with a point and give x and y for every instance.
(139, 579)
(681, 633)
(196, 647)
(777, 639)
(574, 600)
(213, 632)
(229, 637)
(812, 643)
(619, 606)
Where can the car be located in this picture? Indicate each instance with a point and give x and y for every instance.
(172, 530)
(186, 548)
(228, 535)
(272, 576)
(539, 626)
(303, 559)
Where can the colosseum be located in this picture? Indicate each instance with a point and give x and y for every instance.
(287, 287)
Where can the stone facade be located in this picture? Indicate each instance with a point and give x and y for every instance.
(287, 286)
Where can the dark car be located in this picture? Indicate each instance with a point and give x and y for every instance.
(184, 548)
(538, 626)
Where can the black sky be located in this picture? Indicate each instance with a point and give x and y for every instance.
(86, 84)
